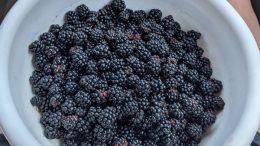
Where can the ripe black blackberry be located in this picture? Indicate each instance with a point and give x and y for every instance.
(66, 37)
(71, 87)
(143, 88)
(91, 68)
(116, 95)
(206, 120)
(194, 131)
(82, 11)
(194, 34)
(157, 47)
(120, 142)
(47, 38)
(142, 53)
(45, 82)
(118, 5)
(51, 51)
(192, 107)
(39, 61)
(71, 17)
(124, 49)
(125, 15)
(47, 69)
(78, 57)
(155, 14)
(55, 29)
(168, 70)
(172, 96)
(130, 108)
(56, 100)
(88, 82)
(176, 111)
(107, 117)
(138, 16)
(80, 38)
(69, 122)
(118, 78)
(169, 24)
(59, 64)
(96, 35)
(117, 64)
(68, 107)
(193, 76)
(36, 47)
(157, 86)
(83, 99)
(36, 76)
(51, 133)
(36, 101)
(101, 51)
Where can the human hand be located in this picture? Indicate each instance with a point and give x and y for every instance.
(244, 8)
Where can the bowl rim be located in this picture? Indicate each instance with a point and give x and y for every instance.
(17, 133)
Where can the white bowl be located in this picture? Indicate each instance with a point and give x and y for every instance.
(227, 40)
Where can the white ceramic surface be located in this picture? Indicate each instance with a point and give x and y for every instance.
(228, 43)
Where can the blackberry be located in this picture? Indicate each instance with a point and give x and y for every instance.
(36, 76)
(132, 81)
(157, 86)
(118, 78)
(155, 14)
(79, 57)
(36, 101)
(116, 95)
(193, 76)
(107, 117)
(206, 71)
(66, 37)
(80, 38)
(168, 70)
(142, 53)
(55, 29)
(172, 96)
(198, 51)
(91, 68)
(51, 133)
(124, 50)
(217, 85)
(120, 142)
(68, 107)
(99, 97)
(189, 44)
(71, 17)
(207, 119)
(182, 69)
(59, 64)
(82, 99)
(135, 142)
(51, 51)
(118, 5)
(82, 11)
(176, 111)
(117, 64)
(69, 122)
(93, 114)
(218, 104)
(102, 135)
(103, 16)
(193, 34)
(83, 126)
(88, 81)
(125, 15)
(190, 59)
(48, 38)
(95, 35)
(143, 88)
(137, 66)
(171, 83)
(38, 90)
(207, 88)
(36, 47)
(130, 108)
(192, 107)
(104, 65)
(157, 47)
(149, 143)
(54, 119)
(56, 100)
(39, 61)
(47, 69)
(71, 87)
(168, 23)
(194, 131)
(138, 16)
(72, 76)
(68, 27)
(45, 82)
(101, 51)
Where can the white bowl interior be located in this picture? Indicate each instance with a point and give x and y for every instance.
(218, 40)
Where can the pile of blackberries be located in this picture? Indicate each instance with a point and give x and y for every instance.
(118, 77)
